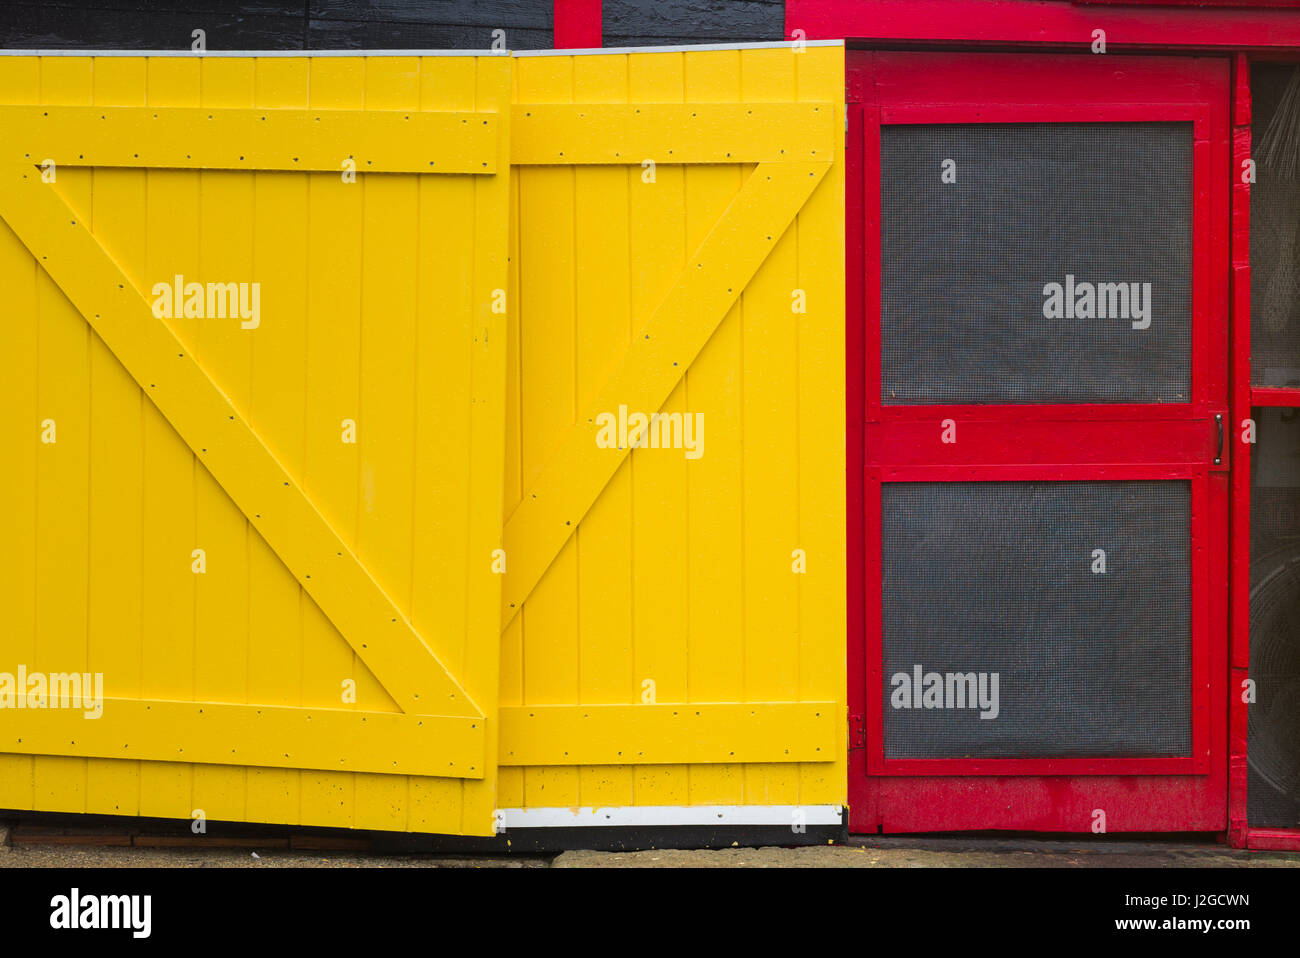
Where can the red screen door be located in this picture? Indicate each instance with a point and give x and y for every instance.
(1039, 629)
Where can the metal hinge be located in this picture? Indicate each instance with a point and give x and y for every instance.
(857, 732)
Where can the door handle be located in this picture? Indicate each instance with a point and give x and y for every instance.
(1218, 425)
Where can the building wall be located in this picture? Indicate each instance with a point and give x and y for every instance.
(636, 23)
(278, 25)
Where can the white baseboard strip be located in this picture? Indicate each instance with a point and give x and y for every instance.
(640, 816)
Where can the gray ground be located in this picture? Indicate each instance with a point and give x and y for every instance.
(890, 852)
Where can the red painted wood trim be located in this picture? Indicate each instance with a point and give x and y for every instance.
(1077, 449)
(1239, 574)
(1263, 395)
(1043, 22)
(577, 24)
(862, 202)
(1187, 794)
(860, 816)
(1190, 4)
(1272, 839)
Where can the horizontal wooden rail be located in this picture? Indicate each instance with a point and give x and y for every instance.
(208, 138)
(601, 133)
(706, 733)
(340, 740)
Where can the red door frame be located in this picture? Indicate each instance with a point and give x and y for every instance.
(1038, 23)
(1052, 795)
(1244, 397)
(1239, 581)
(576, 24)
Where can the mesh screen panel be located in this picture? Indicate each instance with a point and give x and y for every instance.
(964, 265)
(1274, 281)
(996, 578)
(1274, 233)
(1273, 743)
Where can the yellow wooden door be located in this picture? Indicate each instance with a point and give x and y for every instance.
(312, 368)
(254, 381)
(673, 617)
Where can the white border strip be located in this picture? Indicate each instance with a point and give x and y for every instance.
(208, 54)
(661, 815)
(689, 47)
(586, 51)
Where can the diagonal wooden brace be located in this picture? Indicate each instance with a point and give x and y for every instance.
(228, 448)
(654, 363)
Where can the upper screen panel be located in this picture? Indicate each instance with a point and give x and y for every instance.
(1274, 216)
(1036, 263)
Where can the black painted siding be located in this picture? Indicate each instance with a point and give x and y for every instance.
(637, 23)
(431, 24)
(270, 25)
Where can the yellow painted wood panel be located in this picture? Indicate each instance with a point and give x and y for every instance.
(510, 792)
(719, 634)
(117, 457)
(822, 600)
(389, 315)
(224, 625)
(282, 136)
(596, 132)
(597, 736)
(660, 518)
(488, 404)
(548, 358)
(771, 502)
(693, 557)
(63, 506)
(603, 330)
(331, 466)
(20, 434)
(166, 654)
(418, 494)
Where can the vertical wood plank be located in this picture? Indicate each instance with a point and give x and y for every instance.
(387, 407)
(167, 659)
(221, 620)
(603, 329)
(20, 442)
(822, 599)
(443, 346)
(771, 507)
(547, 396)
(714, 386)
(661, 559)
(511, 781)
(63, 467)
(116, 458)
(276, 413)
(333, 392)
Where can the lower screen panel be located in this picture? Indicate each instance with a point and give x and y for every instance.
(1036, 619)
(1273, 746)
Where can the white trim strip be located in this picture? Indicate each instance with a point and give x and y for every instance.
(253, 53)
(660, 815)
(586, 51)
(689, 48)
